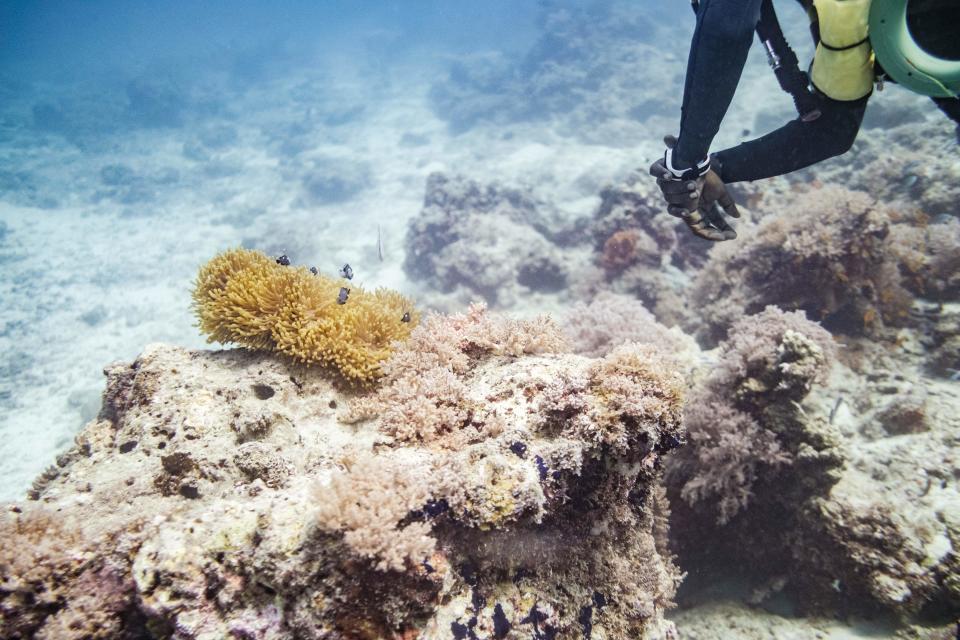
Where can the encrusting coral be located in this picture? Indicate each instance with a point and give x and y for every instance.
(423, 395)
(612, 319)
(245, 297)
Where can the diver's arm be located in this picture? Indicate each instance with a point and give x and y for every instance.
(796, 145)
(718, 52)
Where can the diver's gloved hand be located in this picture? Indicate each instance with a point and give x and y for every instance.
(697, 195)
(715, 201)
(680, 187)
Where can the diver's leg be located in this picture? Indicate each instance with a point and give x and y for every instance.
(795, 145)
(718, 52)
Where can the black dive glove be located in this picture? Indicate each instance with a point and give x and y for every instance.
(697, 195)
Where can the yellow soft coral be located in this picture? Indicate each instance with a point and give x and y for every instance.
(245, 297)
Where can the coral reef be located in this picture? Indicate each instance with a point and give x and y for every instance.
(501, 245)
(485, 241)
(502, 481)
(635, 204)
(910, 163)
(219, 494)
(613, 319)
(247, 298)
(830, 486)
(423, 399)
(55, 584)
(831, 253)
(885, 539)
(640, 250)
(744, 430)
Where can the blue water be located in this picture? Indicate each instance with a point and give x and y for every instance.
(60, 39)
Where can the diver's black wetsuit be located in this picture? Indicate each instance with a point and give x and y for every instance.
(723, 35)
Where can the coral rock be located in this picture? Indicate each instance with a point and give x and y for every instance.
(529, 508)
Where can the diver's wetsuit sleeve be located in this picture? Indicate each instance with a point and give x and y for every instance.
(795, 145)
(718, 52)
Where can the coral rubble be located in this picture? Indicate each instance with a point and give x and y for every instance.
(233, 494)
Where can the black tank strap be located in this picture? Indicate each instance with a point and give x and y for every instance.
(849, 46)
(785, 64)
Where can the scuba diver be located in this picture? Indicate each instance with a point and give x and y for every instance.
(915, 43)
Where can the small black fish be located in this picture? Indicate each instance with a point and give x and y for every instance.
(406, 317)
(283, 261)
(342, 296)
(314, 271)
(347, 272)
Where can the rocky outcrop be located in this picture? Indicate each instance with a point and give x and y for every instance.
(838, 490)
(228, 494)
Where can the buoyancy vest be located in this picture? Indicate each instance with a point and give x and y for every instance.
(843, 63)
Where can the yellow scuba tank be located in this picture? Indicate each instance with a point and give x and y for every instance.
(843, 63)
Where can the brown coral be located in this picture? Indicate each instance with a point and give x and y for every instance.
(54, 583)
(742, 419)
(832, 255)
(245, 297)
(626, 247)
(641, 395)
